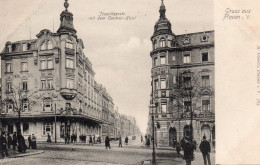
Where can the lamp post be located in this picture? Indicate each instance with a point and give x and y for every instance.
(152, 108)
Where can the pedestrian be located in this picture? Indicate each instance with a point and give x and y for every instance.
(94, 139)
(107, 142)
(188, 151)
(14, 141)
(90, 140)
(3, 145)
(174, 142)
(21, 143)
(205, 150)
(194, 144)
(48, 137)
(68, 138)
(120, 142)
(126, 140)
(142, 140)
(182, 143)
(148, 142)
(178, 149)
(65, 138)
(30, 141)
(9, 140)
(71, 138)
(34, 144)
(75, 138)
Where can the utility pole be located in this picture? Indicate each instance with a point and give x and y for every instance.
(55, 124)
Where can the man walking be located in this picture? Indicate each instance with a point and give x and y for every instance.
(3, 145)
(205, 150)
(120, 142)
(14, 141)
(188, 151)
(30, 141)
(9, 140)
(126, 140)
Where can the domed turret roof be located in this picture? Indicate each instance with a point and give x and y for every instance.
(163, 25)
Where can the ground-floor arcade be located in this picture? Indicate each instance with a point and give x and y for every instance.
(83, 128)
(177, 129)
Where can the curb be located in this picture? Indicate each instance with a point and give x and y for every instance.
(27, 154)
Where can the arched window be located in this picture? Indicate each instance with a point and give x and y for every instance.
(162, 42)
(47, 104)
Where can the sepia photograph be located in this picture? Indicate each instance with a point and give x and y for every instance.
(107, 82)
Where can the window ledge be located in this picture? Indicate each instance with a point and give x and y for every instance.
(46, 69)
(25, 71)
(46, 89)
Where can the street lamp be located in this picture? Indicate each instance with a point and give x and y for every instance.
(152, 109)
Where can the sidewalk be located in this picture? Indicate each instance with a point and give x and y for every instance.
(28, 152)
(179, 161)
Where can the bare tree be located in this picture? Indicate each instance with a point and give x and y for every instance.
(19, 99)
(192, 95)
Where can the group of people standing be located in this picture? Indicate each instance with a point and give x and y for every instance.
(70, 138)
(17, 140)
(92, 140)
(189, 146)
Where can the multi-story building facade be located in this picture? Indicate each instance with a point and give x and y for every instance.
(182, 84)
(51, 83)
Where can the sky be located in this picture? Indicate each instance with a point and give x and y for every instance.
(118, 49)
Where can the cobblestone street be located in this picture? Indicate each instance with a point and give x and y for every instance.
(78, 154)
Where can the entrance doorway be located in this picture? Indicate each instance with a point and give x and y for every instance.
(205, 130)
(172, 136)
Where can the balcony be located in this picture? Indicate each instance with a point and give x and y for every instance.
(68, 94)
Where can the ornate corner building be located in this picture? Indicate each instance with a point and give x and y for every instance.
(182, 84)
(50, 82)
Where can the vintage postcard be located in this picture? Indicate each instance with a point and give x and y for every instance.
(129, 82)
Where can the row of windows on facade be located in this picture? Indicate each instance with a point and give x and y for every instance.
(187, 106)
(169, 43)
(47, 106)
(45, 63)
(46, 45)
(186, 59)
(205, 82)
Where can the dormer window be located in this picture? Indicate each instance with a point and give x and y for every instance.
(204, 38)
(49, 45)
(46, 45)
(186, 40)
(69, 44)
(162, 42)
(24, 47)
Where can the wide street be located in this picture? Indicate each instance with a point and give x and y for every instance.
(78, 154)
